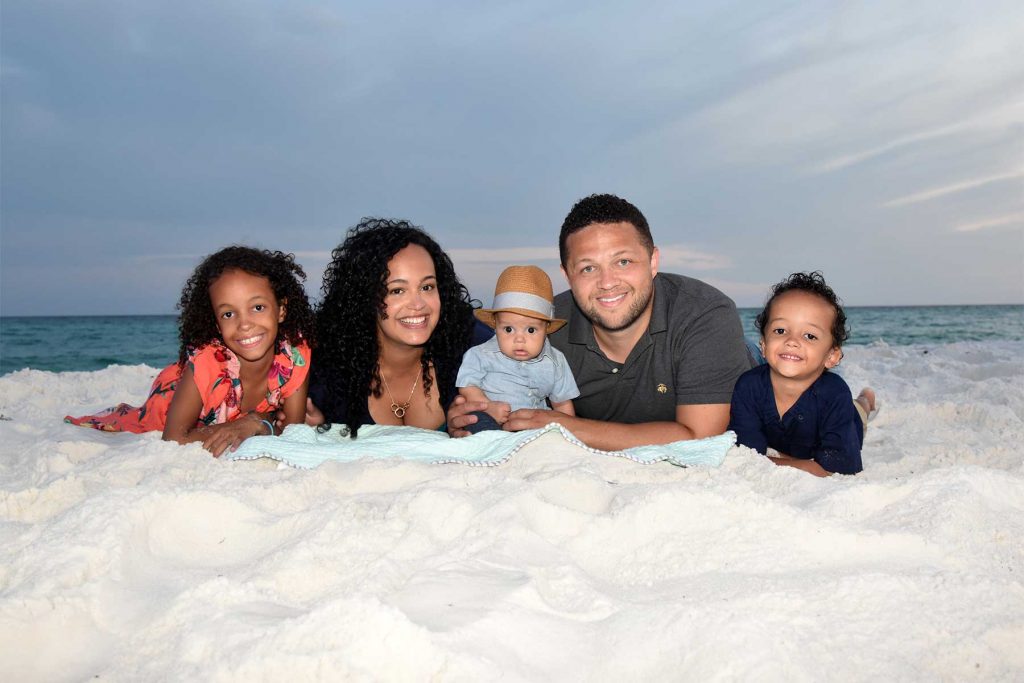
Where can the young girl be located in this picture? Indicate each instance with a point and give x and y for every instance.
(245, 331)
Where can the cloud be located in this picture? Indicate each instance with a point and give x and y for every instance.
(133, 128)
(986, 223)
(1000, 119)
(936, 192)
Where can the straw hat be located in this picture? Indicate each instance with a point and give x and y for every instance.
(525, 290)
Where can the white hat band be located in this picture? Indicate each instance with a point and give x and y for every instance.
(529, 302)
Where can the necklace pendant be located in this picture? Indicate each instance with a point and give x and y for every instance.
(398, 410)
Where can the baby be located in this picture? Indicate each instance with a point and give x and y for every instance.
(518, 367)
(793, 404)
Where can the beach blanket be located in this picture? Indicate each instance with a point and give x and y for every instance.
(302, 446)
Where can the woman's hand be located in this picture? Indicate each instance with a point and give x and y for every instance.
(314, 417)
(460, 415)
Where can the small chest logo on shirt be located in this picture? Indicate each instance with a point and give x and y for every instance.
(662, 388)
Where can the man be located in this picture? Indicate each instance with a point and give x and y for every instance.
(655, 356)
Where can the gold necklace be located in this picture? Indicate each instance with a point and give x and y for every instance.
(396, 408)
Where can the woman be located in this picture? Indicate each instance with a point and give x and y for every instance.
(392, 328)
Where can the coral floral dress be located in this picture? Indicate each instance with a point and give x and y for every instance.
(216, 372)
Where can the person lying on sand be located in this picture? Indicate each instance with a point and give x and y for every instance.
(245, 329)
(655, 355)
(392, 328)
(793, 404)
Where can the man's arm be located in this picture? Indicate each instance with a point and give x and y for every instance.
(692, 422)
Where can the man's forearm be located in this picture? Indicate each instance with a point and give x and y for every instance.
(615, 436)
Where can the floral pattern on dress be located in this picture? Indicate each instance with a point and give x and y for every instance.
(216, 371)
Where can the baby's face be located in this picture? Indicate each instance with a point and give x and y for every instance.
(520, 337)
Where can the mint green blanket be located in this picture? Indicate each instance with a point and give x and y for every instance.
(302, 446)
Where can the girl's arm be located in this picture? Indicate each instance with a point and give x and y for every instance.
(564, 407)
(293, 409)
(183, 414)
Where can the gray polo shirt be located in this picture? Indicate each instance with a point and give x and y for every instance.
(692, 353)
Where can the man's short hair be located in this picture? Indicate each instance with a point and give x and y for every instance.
(603, 208)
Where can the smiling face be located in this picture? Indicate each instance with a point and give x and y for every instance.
(247, 314)
(611, 275)
(797, 341)
(519, 337)
(412, 302)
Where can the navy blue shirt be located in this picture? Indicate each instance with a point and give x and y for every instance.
(822, 425)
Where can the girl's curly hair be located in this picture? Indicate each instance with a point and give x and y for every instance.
(197, 325)
(812, 283)
(346, 363)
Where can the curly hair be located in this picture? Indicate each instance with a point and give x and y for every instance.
(347, 365)
(602, 208)
(197, 324)
(812, 283)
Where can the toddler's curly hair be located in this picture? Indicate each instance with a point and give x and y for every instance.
(812, 283)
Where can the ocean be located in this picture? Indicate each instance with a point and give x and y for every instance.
(85, 343)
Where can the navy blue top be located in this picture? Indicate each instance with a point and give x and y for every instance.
(822, 425)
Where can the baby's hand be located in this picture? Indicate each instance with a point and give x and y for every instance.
(499, 410)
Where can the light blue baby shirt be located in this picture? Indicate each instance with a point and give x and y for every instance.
(520, 383)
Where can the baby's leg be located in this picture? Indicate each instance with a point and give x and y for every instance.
(484, 422)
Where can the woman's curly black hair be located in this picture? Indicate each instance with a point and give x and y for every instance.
(812, 283)
(346, 368)
(197, 325)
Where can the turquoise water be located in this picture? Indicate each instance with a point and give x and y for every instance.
(94, 342)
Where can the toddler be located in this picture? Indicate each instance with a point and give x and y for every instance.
(793, 404)
(245, 331)
(518, 367)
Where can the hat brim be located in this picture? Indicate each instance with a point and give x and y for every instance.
(486, 316)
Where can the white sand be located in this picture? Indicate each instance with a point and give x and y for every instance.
(127, 558)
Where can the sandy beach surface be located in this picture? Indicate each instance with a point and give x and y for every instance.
(127, 558)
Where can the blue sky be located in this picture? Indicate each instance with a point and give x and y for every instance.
(882, 143)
